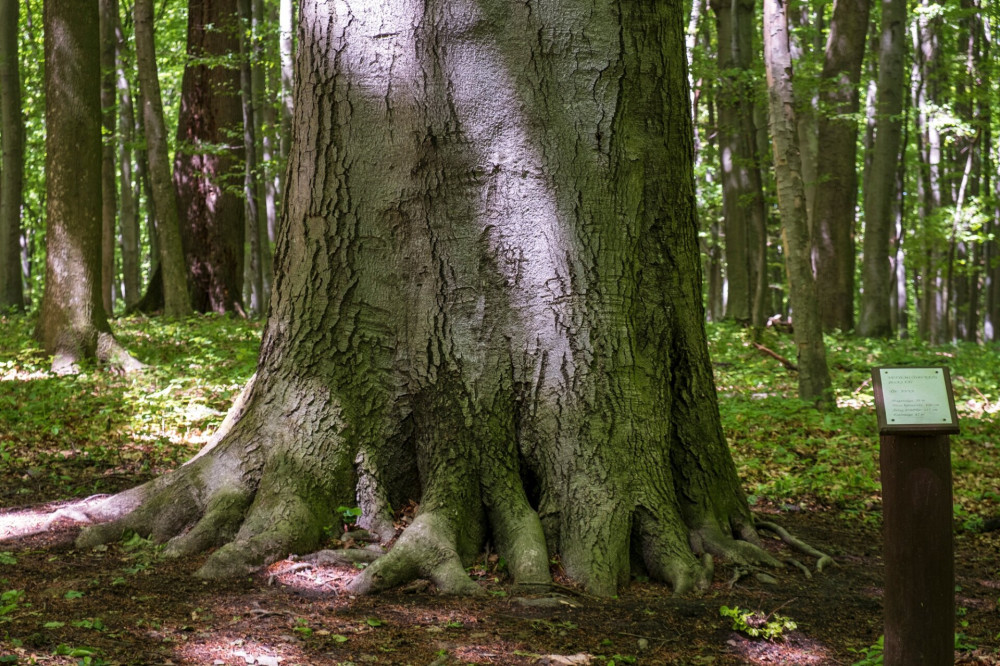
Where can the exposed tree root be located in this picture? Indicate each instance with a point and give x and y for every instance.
(822, 559)
(426, 549)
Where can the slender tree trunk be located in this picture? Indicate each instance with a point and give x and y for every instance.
(12, 161)
(990, 186)
(262, 141)
(742, 190)
(487, 287)
(72, 324)
(836, 176)
(130, 192)
(803, 54)
(286, 26)
(109, 193)
(209, 159)
(255, 265)
(814, 377)
(881, 179)
(935, 324)
(176, 301)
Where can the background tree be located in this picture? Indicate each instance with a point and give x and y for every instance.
(488, 288)
(209, 158)
(814, 376)
(880, 181)
(109, 183)
(12, 162)
(836, 173)
(171, 255)
(742, 189)
(130, 193)
(252, 190)
(72, 324)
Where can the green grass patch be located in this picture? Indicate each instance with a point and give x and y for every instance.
(100, 431)
(790, 453)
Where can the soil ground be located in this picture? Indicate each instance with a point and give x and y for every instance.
(124, 605)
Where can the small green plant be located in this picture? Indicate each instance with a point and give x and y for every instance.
(302, 627)
(7, 558)
(10, 601)
(756, 624)
(350, 514)
(871, 655)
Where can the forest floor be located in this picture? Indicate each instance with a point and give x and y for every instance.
(813, 473)
(122, 605)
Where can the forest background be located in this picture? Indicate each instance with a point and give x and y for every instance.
(923, 207)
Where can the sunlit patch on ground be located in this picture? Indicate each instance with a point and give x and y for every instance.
(219, 650)
(794, 651)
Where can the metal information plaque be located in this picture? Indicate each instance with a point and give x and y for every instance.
(914, 400)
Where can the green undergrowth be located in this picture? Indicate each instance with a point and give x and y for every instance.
(792, 456)
(100, 431)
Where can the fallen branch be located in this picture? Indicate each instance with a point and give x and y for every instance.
(775, 355)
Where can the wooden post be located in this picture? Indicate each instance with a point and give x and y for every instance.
(916, 413)
(919, 603)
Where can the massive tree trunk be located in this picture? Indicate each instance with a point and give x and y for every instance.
(837, 181)
(12, 162)
(488, 297)
(742, 188)
(814, 376)
(208, 165)
(880, 185)
(177, 302)
(72, 324)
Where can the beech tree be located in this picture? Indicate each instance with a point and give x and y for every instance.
(72, 324)
(12, 161)
(208, 163)
(742, 186)
(487, 297)
(880, 182)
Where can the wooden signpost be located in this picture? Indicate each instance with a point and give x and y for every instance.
(916, 414)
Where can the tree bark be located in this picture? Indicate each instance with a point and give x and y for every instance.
(177, 302)
(837, 181)
(487, 294)
(12, 161)
(881, 180)
(814, 376)
(72, 324)
(742, 188)
(209, 159)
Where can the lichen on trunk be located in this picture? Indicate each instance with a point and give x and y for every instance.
(487, 299)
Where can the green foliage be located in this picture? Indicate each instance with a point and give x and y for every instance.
(792, 456)
(872, 655)
(756, 624)
(349, 514)
(99, 431)
(10, 601)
